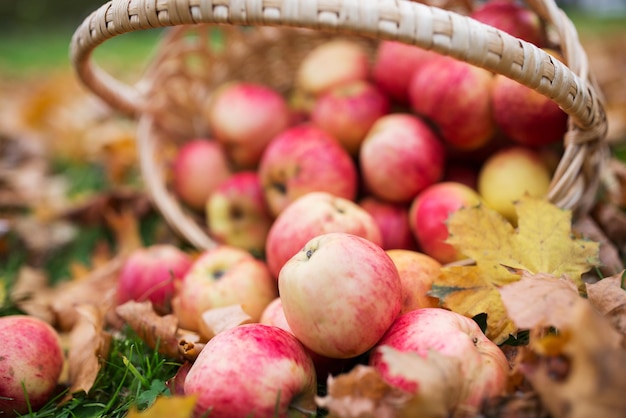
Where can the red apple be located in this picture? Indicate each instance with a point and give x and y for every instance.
(340, 293)
(252, 370)
(456, 97)
(245, 117)
(417, 273)
(220, 277)
(392, 220)
(483, 364)
(237, 213)
(400, 156)
(348, 111)
(394, 65)
(314, 214)
(152, 273)
(331, 64)
(198, 168)
(31, 360)
(428, 215)
(512, 17)
(304, 159)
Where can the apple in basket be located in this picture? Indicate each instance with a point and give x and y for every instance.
(221, 277)
(483, 365)
(152, 273)
(348, 111)
(314, 214)
(394, 65)
(525, 115)
(392, 220)
(456, 97)
(252, 370)
(508, 175)
(237, 213)
(31, 360)
(513, 18)
(428, 215)
(199, 166)
(400, 156)
(417, 272)
(340, 293)
(330, 64)
(304, 159)
(245, 117)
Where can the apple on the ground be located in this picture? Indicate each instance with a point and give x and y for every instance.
(252, 370)
(340, 293)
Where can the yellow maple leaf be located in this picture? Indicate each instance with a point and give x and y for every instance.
(542, 243)
(171, 406)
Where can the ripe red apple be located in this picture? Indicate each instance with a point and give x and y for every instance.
(237, 213)
(428, 215)
(245, 117)
(508, 175)
(331, 64)
(525, 115)
(252, 370)
(340, 293)
(199, 166)
(513, 18)
(220, 277)
(348, 111)
(394, 65)
(456, 97)
(314, 214)
(400, 156)
(417, 272)
(152, 273)
(392, 220)
(304, 159)
(31, 360)
(483, 364)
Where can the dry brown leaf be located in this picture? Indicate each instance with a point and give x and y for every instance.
(610, 259)
(156, 331)
(125, 225)
(220, 319)
(89, 345)
(170, 407)
(362, 393)
(539, 300)
(31, 294)
(609, 298)
(585, 375)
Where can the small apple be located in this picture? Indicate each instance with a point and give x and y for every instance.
(348, 111)
(513, 18)
(340, 293)
(304, 159)
(392, 220)
(252, 370)
(220, 277)
(394, 65)
(331, 64)
(152, 273)
(237, 213)
(31, 360)
(456, 97)
(430, 211)
(400, 156)
(483, 365)
(525, 115)
(314, 214)
(510, 174)
(199, 166)
(245, 117)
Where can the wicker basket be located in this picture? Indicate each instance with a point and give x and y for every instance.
(265, 41)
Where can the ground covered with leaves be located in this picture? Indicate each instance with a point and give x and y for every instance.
(72, 208)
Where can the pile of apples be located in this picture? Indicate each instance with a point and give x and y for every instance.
(329, 207)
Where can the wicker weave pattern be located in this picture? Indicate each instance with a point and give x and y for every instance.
(574, 184)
